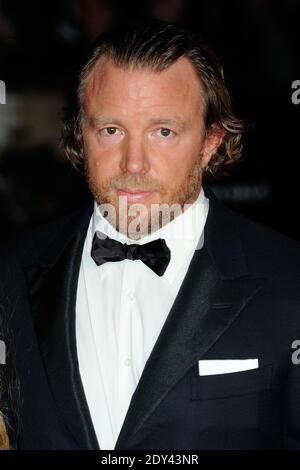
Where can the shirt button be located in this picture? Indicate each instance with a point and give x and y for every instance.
(127, 362)
(131, 296)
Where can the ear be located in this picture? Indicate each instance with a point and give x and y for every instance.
(212, 142)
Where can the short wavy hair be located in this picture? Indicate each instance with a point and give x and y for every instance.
(156, 46)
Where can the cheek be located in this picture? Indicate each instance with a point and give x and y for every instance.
(99, 171)
(101, 164)
(93, 165)
(176, 164)
(95, 154)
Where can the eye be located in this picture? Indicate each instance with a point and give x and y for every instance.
(109, 131)
(165, 132)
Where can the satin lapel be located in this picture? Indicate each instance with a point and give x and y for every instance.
(204, 308)
(52, 291)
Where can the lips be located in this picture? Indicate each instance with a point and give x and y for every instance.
(134, 194)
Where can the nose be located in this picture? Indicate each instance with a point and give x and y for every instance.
(135, 156)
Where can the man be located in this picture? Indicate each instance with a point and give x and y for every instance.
(132, 331)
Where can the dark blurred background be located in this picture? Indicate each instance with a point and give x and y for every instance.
(42, 44)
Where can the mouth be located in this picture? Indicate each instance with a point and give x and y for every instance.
(134, 194)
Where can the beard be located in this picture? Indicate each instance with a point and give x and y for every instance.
(149, 220)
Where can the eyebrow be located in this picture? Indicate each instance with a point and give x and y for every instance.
(100, 120)
(176, 121)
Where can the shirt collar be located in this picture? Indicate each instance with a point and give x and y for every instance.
(183, 235)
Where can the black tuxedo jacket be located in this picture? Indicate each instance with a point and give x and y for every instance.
(240, 299)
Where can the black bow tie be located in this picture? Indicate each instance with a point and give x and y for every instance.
(156, 254)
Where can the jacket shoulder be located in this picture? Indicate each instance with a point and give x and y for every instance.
(263, 246)
(32, 241)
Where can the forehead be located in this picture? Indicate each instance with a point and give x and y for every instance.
(140, 88)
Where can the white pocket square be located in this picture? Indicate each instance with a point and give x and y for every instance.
(226, 366)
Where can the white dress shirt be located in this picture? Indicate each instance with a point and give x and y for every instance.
(120, 310)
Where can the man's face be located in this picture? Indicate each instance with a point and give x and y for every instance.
(143, 132)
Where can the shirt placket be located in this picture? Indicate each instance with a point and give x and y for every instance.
(126, 379)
